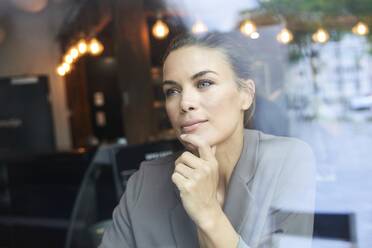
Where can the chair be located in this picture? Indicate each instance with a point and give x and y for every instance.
(336, 230)
(89, 208)
(127, 160)
(106, 178)
(335, 226)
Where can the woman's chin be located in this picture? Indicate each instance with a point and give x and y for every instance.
(190, 147)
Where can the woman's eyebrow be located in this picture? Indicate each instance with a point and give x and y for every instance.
(169, 82)
(202, 73)
(196, 75)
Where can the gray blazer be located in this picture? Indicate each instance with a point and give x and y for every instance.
(270, 194)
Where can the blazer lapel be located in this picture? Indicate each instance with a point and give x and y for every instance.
(184, 229)
(239, 199)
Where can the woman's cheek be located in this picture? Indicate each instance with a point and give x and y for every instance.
(170, 114)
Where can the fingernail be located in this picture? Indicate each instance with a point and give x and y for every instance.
(182, 136)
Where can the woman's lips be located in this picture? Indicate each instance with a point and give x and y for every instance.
(191, 128)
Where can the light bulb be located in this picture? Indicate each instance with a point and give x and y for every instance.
(61, 71)
(82, 46)
(247, 27)
(66, 67)
(68, 59)
(74, 52)
(95, 47)
(255, 35)
(320, 36)
(285, 36)
(199, 27)
(160, 30)
(360, 29)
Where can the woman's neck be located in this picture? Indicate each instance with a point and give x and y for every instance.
(227, 155)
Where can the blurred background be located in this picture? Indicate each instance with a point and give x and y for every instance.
(81, 102)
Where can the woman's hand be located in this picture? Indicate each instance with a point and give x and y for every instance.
(197, 180)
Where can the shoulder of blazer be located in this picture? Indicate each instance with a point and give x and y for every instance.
(150, 174)
(162, 161)
(278, 146)
(285, 157)
(293, 163)
(161, 166)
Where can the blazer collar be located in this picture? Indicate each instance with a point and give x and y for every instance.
(237, 199)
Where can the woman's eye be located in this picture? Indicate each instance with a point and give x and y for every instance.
(170, 92)
(204, 83)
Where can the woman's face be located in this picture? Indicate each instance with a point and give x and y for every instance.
(202, 96)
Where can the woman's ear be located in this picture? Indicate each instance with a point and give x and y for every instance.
(247, 93)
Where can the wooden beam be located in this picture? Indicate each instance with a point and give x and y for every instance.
(132, 49)
(78, 105)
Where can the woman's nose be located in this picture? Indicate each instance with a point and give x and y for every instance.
(188, 101)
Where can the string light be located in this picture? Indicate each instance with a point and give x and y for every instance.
(199, 27)
(160, 30)
(284, 36)
(68, 59)
(66, 67)
(255, 35)
(247, 27)
(95, 47)
(74, 52)
(360, 29)
(61, 71)
(82, 46)
(320, 36)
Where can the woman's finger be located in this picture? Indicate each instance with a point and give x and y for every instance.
(179, 180)
(190, 160)
(184, 170)
(205, 151)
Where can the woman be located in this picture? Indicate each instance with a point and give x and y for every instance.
(232, 187)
